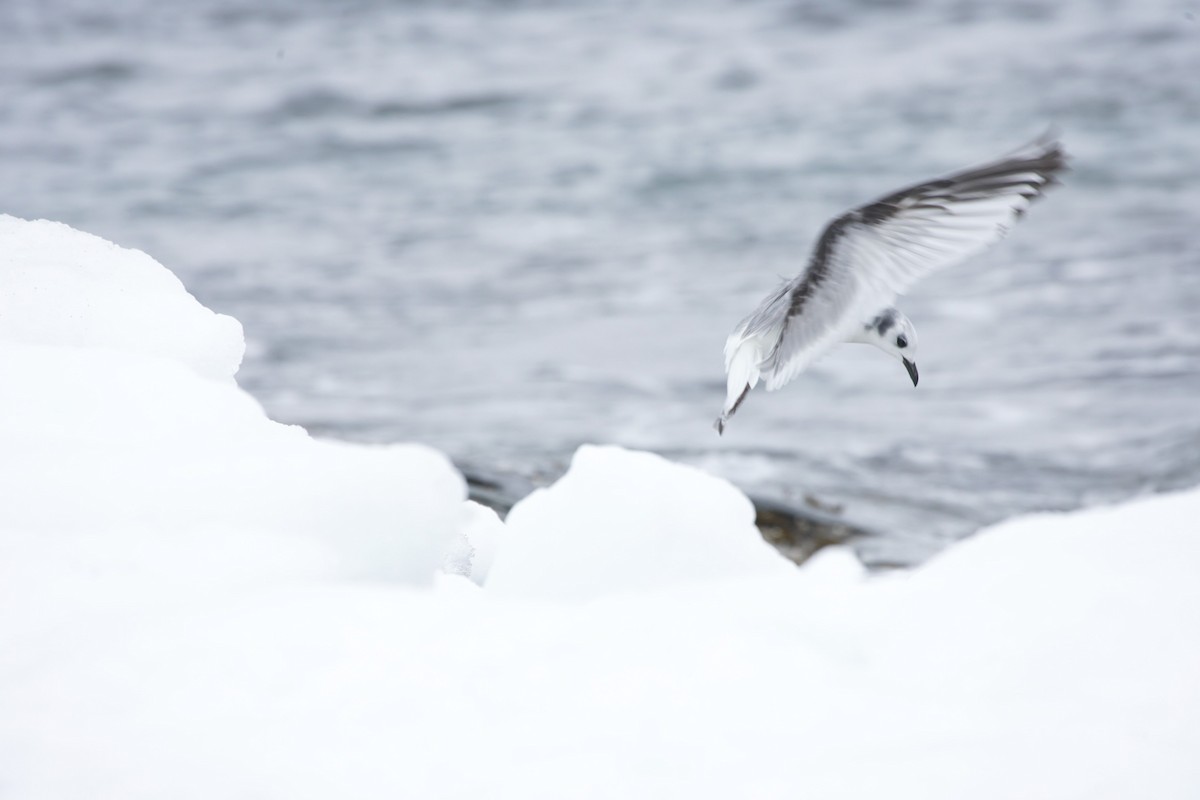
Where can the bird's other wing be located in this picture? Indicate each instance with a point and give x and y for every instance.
(824, 306)
(898, 239)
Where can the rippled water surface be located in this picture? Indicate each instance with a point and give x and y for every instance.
(506, 228)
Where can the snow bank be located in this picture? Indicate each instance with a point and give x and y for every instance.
(1045, 659)
(621, 521)
(182, 614)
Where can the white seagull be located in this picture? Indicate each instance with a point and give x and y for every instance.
(868, 256)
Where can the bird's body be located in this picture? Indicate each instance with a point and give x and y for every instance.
(870, 255)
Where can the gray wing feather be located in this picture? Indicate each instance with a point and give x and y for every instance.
(771, 314)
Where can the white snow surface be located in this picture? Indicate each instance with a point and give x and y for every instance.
(196, 602)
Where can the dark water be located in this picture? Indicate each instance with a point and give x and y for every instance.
(506, 228)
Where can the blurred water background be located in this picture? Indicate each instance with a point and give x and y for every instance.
(507, 228)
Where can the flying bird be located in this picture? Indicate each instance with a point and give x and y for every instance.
(870, 255)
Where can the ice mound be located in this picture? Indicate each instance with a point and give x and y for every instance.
(120, 416)
(72, 289)
(472, 552)
(622, 521)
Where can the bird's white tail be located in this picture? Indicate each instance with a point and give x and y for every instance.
(743, 354)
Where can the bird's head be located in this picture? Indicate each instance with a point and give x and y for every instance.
(894, 334)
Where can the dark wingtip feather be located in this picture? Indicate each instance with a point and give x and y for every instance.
(1043, 155)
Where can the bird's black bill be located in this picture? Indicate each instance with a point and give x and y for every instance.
(912, 370)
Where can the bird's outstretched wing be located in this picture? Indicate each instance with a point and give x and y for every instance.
(869, 255)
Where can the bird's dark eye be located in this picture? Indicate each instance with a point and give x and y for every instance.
(901, 342)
